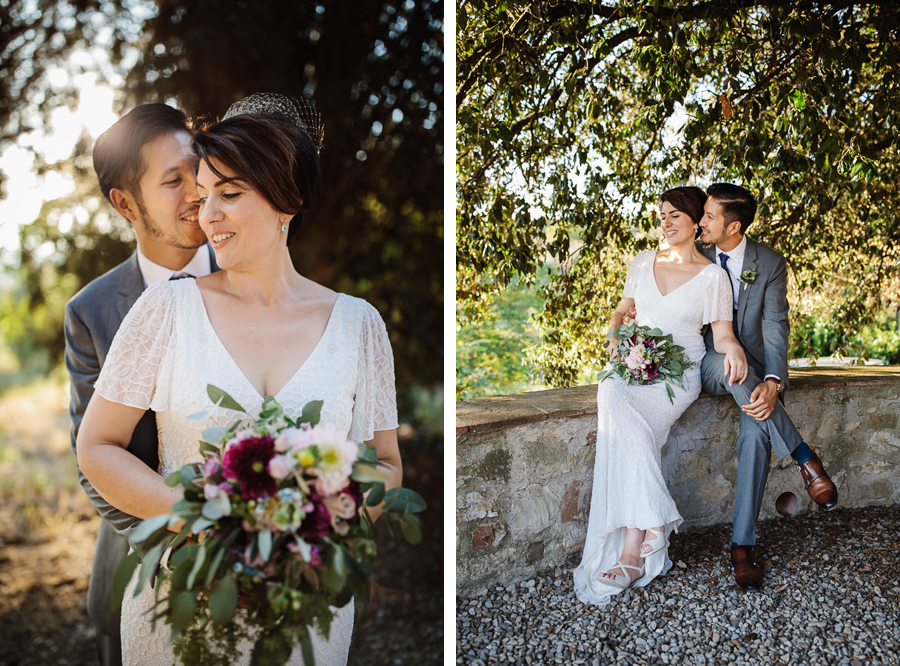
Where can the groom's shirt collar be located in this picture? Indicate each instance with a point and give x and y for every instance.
(735, 265)
(152, 272)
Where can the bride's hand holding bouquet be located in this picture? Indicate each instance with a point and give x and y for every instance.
(275, 521)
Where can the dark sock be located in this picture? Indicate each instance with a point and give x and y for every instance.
(802, 453)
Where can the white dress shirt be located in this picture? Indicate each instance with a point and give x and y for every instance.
(735, 265)
(152, 272)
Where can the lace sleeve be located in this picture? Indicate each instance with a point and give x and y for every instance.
(633, 271)
(719, 303)
(130, 375)
(375, 406)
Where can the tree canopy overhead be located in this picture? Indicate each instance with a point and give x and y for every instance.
(574, 116)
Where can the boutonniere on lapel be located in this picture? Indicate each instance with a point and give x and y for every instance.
(748, 277)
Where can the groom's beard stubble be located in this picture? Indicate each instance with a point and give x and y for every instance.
(153, 229)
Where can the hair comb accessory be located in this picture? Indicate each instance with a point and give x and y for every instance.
(301, 112)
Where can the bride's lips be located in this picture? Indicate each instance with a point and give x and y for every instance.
(220, 238)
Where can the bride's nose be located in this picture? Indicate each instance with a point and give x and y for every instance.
(210, 212)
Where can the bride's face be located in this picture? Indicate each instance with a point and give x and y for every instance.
(677, 226)
(243, 228)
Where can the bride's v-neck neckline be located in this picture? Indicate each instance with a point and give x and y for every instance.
(224, 349)
(669, 293)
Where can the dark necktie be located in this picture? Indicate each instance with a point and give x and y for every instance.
(180, 276)
(723, 258)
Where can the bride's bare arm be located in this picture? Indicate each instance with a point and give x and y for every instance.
(120, 478)
(725, 343)
(385, 443)
(618, 316)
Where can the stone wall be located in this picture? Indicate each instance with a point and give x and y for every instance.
(524, 465)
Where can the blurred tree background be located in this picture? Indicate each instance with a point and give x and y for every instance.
(373, 68)
(573, 116)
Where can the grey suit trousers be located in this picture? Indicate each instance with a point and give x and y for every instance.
(754, 445)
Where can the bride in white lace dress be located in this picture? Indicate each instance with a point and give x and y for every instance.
(256, 328)
(632, 514)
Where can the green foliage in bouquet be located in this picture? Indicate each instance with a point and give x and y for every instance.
(271, 524)
(647, 356)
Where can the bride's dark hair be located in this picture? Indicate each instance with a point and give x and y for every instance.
(269, 152)
(688, 199)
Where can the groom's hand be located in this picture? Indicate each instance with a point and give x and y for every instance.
(762, 401)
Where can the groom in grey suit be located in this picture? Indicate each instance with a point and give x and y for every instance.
(759, 283)
(147, 170)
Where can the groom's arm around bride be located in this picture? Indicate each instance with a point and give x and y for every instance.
(149, 177)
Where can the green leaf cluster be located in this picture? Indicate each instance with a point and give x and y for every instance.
(574, 116)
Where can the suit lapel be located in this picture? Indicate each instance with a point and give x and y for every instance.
(131, 287)
(750, 262)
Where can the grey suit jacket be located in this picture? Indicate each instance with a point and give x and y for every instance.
(761, 321)
(92, 318)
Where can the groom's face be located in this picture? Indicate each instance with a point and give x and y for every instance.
(713, 228)
(167, 200)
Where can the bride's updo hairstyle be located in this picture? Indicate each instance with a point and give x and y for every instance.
(271, 143)
(688, 199)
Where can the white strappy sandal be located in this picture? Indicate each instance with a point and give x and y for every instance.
(621, 581)
(657, 544)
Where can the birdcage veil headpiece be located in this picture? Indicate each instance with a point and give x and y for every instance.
(302, 113)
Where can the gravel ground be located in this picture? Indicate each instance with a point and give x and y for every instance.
(831, 595)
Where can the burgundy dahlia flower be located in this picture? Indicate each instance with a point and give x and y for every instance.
(247, 462)
(318, 521)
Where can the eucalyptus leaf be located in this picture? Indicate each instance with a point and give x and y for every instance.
(212, 510)
(121, 577)
(147, 527)
(376, 495)
(149, 564)
(214, 435)
(403, 500)
(409, 526)
(199, 561)
(312, 412)
(264, 543)
(188, 474)
(223, 600)
(365, 473)
(222, 399)
(181, 608)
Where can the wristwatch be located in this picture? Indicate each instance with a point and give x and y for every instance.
(779, 384)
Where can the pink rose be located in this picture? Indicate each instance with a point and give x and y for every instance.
(293, 438)
(212, 467)
(279, 466)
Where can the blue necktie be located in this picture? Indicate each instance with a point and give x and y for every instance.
(722, 259)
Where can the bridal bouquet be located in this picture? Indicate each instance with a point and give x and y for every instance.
(646, 356)
(275, 521)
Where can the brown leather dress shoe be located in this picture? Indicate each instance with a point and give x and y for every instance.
(747, 573)
(820, 487)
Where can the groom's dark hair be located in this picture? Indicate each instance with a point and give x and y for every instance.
(738, 205)
(117, 152)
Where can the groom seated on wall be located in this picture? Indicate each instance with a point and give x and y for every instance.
(759, 283)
